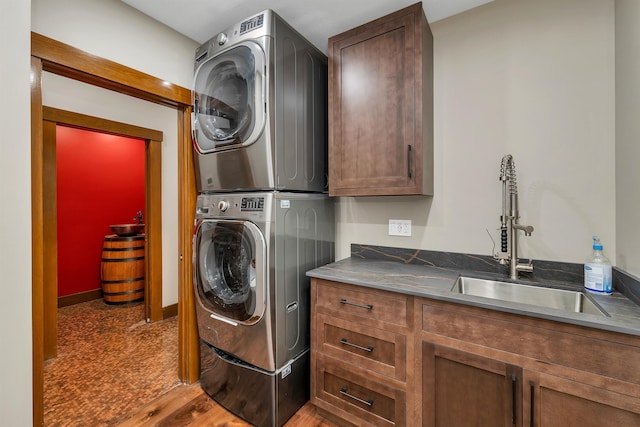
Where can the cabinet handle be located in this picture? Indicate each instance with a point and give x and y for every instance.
(343, 391)
(514, 382)
(532, 388)
(345, 342)
(409, 160)
(344, 301)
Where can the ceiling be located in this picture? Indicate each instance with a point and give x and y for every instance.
(317, 20)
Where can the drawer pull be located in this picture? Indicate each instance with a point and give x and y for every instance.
(343, 391)
(532, 390)
(514, 390)
(344, 301)
(345, 342)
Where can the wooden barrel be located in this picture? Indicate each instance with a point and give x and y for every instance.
(122, 270)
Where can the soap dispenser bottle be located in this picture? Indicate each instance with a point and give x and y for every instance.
(597, 271)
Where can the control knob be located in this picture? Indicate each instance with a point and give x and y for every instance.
(223, 205)
(221, 39)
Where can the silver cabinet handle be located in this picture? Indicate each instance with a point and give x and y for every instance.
(345, 342)
(344, 301)
(343, 391)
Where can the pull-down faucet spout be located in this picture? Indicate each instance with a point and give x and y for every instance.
(509, 221)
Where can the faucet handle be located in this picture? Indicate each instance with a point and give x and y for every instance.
(138, 217)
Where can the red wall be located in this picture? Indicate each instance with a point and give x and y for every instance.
(100, 181)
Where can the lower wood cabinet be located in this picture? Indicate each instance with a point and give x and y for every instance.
(486, 368)
(463, 389)
(553, 401)
(381, 358)
(361, 354)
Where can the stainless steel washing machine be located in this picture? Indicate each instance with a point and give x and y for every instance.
(260, 102)
(251, 255)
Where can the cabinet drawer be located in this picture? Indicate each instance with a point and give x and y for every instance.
(375, 403)
(364, 303)
(375, 349)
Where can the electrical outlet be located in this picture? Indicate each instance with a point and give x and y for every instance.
(400, 227)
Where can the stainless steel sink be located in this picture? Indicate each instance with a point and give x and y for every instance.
(570, 301)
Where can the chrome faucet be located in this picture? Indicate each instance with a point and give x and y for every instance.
(138, 217)
(509, 221)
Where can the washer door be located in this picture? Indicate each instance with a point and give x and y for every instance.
(231, 269)
(229, 90)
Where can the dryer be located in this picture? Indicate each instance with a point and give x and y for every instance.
(260, 102)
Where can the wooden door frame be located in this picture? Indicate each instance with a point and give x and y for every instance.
(58, 58)
(153, 207)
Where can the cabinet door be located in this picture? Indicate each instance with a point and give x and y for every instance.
(551, 401)
(462, 389)
(375, 107)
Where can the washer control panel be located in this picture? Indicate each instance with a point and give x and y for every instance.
(233, 205)
(252, 204)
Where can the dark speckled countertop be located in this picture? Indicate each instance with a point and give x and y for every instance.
(396, 270)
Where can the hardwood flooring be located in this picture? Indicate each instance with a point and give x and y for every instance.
(189, 405)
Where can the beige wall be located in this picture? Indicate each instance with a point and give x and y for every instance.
(627, 131)
(152, 48)
(15, 216)
(531, 78)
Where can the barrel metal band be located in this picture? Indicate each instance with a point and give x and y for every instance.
(132, 248)
(139, 258)
(123, 280)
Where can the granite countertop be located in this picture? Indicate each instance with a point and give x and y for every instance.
(435, 282)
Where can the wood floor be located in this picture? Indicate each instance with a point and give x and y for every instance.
(189, 405)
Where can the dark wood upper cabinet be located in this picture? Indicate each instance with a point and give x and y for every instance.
(381, 107)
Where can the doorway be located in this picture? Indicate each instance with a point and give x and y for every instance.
(52, 118)
(56, 57)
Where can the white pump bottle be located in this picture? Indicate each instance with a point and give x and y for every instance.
(597, 271)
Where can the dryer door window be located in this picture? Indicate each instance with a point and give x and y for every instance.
(229, 106)
(230, 276)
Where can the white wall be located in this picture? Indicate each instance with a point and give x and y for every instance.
(531, 78)
(15, 216)
(116, 31)
(627, 131)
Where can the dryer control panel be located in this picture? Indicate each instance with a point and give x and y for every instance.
(252, 23)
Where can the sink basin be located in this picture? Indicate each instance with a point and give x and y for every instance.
(124, 230)
(569, 301)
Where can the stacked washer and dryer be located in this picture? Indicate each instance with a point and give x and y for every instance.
(263, 218)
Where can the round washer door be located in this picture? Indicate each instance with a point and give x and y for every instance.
(230, 275)
(229, 90)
